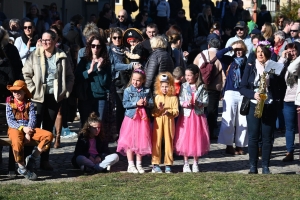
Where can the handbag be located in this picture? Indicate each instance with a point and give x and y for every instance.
(245, 106)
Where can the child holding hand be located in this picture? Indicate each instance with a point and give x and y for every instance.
(164, 112)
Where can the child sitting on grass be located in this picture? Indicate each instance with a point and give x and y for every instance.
(21, 120)
(91, 152)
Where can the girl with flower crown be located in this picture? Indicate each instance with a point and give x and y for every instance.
(249, 87)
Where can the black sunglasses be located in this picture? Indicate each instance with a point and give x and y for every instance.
(293, 30)
(239, 29)
(119, 16)
(27, 27)
(118, 37)
(97, 46)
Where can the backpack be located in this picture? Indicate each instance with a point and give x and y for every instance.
(206, 69)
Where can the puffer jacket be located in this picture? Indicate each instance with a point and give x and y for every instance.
(159, 61)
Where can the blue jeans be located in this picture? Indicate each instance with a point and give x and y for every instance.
(280, 122)
(290, 117)
(263, 126)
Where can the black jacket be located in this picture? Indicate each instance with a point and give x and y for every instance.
(277, 85)
(82, 149)
(159, 61)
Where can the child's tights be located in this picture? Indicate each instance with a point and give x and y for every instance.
(109, 160)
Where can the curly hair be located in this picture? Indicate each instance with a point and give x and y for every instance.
(170, 81)
(102, 53)
(85, 131)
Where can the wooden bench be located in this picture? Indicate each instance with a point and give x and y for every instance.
(5, 141)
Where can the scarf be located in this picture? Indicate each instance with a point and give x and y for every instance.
(34, 39)
(237, 78)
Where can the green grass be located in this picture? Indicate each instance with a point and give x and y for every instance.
(161, 186)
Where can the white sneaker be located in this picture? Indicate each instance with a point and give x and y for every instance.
(140, 169)
(132, 169)
(195, 168)
(186, 168)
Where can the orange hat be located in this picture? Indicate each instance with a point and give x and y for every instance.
(20, 85)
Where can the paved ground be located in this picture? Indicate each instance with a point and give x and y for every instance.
(215, 161)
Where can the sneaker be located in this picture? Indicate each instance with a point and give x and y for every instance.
(186, 168)
(30, 163)
(168, 170)
(195, 168)
(140, 169)
(132, 169)
(156, 169)
(28, 174)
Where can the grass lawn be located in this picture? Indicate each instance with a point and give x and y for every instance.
(161, 186)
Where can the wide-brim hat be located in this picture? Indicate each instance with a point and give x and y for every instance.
(20, 85)
(132, 33)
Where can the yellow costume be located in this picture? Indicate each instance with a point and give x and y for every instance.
(164, 125)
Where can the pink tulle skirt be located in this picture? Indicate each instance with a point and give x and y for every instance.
(135, 134)
(192, 135)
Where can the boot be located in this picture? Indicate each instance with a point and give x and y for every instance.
(266, 170)
(239, 151)
(253, 169)
(57, 142)
(288, 158)
(45, 165)
(58, 127)
(230, 150)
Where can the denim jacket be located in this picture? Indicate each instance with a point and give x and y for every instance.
(132, 96)
(201, 96)
(117, 63)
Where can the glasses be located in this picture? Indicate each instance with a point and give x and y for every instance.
(239, 29)
(293, 30)
(180, 13)
(46, 40)
(121, 16)
(27, 27)
(97, 46)
(119, 38)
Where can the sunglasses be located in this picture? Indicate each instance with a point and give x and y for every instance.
(239, 29)
(119, 38)
(97, 46)
(180, 13)
(27, 27)
(121, 16)
(293, 30)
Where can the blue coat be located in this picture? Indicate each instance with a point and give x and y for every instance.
(132, 96)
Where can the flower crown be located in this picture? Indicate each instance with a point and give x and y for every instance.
(265, 43)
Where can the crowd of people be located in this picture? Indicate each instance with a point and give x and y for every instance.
(153, 80)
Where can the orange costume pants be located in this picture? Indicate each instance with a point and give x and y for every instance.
(17, 141)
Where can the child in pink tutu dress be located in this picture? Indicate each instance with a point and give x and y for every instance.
(192, 133)
(135, 130)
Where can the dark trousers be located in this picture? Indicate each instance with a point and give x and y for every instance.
(85, 108)
(263, 126)
(46, 113)
(162, 24)
(212, 110)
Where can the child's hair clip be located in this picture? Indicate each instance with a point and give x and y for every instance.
(164, 78)
(139, 71)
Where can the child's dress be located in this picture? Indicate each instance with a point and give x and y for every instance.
(192, 133)
(135, 131)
